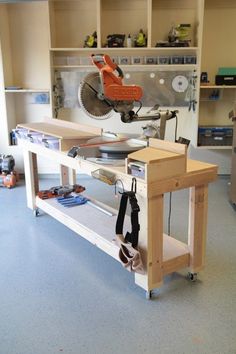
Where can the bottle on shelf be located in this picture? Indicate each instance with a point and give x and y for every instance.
(129, 41)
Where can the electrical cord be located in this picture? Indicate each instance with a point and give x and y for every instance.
(140, 106)
(176, 127)
(170, 195)
(169, 215)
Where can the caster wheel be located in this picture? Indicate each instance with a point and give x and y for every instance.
(36, 212)
(148, 295)
(192, 276)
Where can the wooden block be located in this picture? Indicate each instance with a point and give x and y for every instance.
(168, 146)
(159, 164)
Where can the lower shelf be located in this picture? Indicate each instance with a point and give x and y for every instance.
(175, 255)
(87, 221)
(99, 229)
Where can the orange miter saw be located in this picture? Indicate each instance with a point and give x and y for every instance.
(102, 92)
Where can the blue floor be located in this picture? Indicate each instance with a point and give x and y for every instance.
(60, 294)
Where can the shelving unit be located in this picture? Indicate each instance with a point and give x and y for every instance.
(47, 38)
(123, 17)
(25, 62)
(217, 51)
(27, 91)
(38, 35)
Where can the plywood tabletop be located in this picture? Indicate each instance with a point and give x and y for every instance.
(57, 131)
(151, 155)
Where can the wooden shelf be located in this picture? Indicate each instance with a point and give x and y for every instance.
(27, 91)
(97, 230)
(218, 87)
(215, 147)
(134, 49)
(74, 67)
(146, 67)
(176, 255)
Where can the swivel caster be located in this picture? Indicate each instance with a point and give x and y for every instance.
(149, 294)
(36, 212)
(192, 276)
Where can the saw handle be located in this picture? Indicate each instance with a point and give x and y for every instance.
(104, 63)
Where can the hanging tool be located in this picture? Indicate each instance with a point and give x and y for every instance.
(192, 100)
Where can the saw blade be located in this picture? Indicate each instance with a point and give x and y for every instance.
(90, 97)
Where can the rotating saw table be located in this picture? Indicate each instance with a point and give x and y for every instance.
(161, 254)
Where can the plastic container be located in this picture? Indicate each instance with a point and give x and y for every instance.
(35, 137)
(150, 60)
(124, 60)
(163, 60)
(73, 60)
(60, 61)
(137, 60)
(190, 59)
(51, 143)
(21, 133)
(176, 60)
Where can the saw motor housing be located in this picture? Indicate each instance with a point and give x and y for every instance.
(113, 87)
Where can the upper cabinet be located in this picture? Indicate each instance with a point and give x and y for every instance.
(218, 47)
(217, 99)
(168, 13)
(124, 17)
(72, 21)
(25, 63)
(24, 42)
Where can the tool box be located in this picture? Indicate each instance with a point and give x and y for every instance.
(215, 135)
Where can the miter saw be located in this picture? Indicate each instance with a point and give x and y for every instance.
(102, 92)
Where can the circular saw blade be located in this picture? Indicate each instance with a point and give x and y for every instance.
(88, 94)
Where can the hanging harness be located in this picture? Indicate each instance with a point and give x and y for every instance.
(131, 237)
(128, 254)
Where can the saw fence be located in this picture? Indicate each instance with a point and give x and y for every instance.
(166, 169)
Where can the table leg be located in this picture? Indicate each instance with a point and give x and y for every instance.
(67, 175)
(31, 177)
(151, 242)
(197, 226)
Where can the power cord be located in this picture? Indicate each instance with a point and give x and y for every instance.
(169, 215)
(170, 195)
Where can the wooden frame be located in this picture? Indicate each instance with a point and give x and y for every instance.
(161, 254)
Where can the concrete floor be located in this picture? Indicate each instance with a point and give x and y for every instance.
(59, 294)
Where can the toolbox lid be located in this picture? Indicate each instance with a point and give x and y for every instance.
(152, 155)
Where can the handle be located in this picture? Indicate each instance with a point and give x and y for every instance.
(104, 63)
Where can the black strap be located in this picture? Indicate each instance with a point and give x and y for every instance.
(132, 236)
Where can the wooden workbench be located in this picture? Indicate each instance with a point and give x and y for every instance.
(161, 254)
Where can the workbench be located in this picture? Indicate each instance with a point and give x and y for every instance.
(161, 254)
